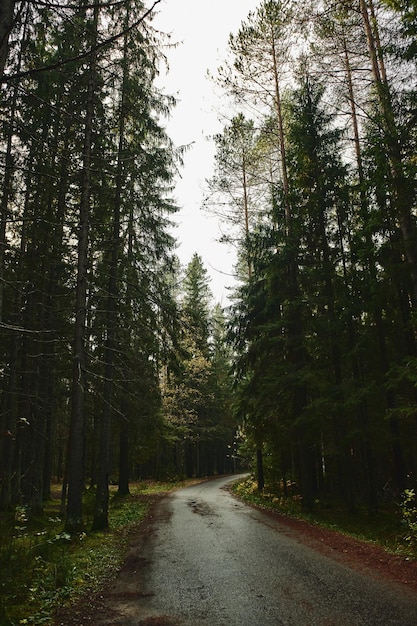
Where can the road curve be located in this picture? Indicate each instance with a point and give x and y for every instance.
(214, 561)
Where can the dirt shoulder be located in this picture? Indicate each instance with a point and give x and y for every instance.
(360, 555)
(117, 598)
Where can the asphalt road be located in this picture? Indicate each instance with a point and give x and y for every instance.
(213, 561)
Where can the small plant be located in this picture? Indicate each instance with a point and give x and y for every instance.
(409, 513)
(270, 499)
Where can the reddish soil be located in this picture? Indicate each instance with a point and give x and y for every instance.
(116, 603)
(357, 554)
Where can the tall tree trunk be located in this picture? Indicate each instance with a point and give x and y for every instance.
(8, 425)
(260, 468)
(102, 497)
(123, 489)
(278, 108)
(7, 190)
(100, 520)
(124, 446)
(54, 282)
(124, 418)
(74, 518)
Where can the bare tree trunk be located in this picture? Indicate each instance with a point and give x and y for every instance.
(102, 498)
(8, 451)
(124, 419)
(7, 184)
(9, 170)
(74, 518)
(123, 489)
(8, 425)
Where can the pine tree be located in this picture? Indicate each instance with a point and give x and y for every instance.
(235, 188)
(196, 302)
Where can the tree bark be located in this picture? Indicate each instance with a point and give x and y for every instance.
(123, 489)
(74, 518)
(10, 420)
(102, 497)
(260, 469)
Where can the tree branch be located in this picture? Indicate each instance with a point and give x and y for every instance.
(74, 7)
(103, 44)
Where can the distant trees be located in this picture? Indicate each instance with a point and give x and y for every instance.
(323, 327)
(197, 397)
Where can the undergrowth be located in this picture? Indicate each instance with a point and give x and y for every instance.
(42, 567)
(394, 526)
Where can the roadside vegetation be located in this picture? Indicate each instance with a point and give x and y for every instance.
(42, 567)
(393, 526)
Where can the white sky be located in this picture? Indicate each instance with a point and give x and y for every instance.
(202, 29)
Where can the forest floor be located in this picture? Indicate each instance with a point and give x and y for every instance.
(100, 608)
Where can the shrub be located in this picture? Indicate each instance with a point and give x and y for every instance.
(409, 513)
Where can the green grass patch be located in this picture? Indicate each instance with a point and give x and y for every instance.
(387, 528)
(42, 567)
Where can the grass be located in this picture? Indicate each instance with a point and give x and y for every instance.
(42, 567)
(387, 528)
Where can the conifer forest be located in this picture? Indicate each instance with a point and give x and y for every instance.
(115, 362)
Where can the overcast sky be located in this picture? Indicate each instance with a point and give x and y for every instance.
(201, 28)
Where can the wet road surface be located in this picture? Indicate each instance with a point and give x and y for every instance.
(214, 561)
